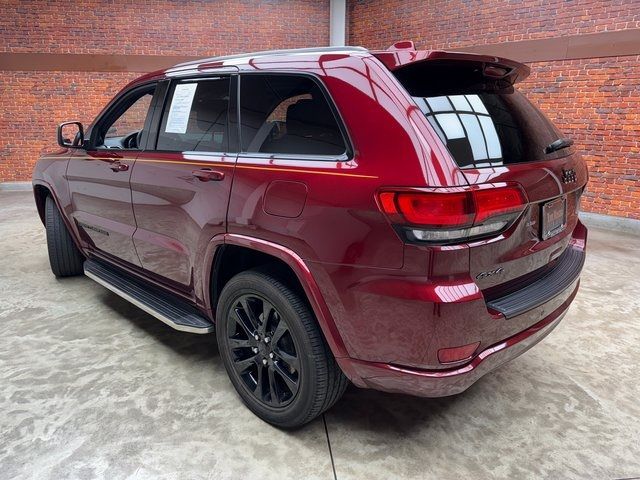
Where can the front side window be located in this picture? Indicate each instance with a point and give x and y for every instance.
(195, 117)
(287, 114)
(124, 127)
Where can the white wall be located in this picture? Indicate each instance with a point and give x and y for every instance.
(337, 22)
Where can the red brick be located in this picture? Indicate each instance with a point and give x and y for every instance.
(595, 101)
(33, 103)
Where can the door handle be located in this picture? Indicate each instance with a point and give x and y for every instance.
(119, 167)
(206, 174)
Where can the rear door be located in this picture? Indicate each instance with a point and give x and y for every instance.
(181, 183)
(495, 135)
(501, 138)
(99, 176)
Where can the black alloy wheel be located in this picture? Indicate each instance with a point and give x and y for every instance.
(263, 351)
(273, 349)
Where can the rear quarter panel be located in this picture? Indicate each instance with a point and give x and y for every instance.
(341, 233)
(341, 223)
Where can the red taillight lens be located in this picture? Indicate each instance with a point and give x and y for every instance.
(388, 202)
(436, 209)
(492, 202)
(449, 214)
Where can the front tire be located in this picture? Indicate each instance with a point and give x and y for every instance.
(64, 257)
(274, 351)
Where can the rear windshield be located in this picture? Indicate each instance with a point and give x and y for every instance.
(489, 129)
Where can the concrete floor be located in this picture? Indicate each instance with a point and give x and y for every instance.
(92, 387)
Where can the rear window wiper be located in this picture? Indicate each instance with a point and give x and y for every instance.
(558, 145)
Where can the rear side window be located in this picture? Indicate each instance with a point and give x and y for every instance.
(490, 129)
(195, 117)
(287, 114)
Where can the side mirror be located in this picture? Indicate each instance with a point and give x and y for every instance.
(73, 130)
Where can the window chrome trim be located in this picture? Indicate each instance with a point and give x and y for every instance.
(349, 152)
(295, 156)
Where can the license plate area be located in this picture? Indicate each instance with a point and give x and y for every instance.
(554, 217)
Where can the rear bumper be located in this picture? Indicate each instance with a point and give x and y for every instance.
(544, 288)
(441, 383)
(394, 324)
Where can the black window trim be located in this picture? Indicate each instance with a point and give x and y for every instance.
(111, 110)
(344, 157)
(232, 149)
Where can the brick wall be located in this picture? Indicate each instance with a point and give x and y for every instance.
(33, 102)
(457, 23)
(596, 101)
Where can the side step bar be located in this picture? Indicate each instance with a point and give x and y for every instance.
(173, 311)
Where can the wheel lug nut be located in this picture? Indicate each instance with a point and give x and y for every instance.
(264, 361)
(256, 336)
(271, 355)
(254, 349)
(267, 339)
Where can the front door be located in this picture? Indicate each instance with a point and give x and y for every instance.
(99, 176)
(181, 183)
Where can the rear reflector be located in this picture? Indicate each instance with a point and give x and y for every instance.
(457, 354)
(451, 214)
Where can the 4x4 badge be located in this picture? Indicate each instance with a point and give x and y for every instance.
(569, 175)
(482, 275)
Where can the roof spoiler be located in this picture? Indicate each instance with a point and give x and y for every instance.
(488, 72)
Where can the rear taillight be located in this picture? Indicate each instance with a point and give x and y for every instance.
(449, 215)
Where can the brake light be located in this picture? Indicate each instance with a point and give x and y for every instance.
(435, 209)
(498, 201)
(446, 215)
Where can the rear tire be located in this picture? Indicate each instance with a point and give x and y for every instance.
(64, 257)
(288, 375)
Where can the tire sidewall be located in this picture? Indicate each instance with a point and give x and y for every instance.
(256, 284)
(65, 258)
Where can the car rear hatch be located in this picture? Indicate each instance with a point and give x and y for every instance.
(499, 139)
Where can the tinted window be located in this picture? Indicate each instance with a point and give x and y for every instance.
(124, 125)
(195, 117)
(490, 129)
(287, 114)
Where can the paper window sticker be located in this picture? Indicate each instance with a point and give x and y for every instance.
(178, 117)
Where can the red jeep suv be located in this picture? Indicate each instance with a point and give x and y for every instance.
(403, 219)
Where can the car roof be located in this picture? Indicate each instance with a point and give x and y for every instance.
(243, 61)
(395, 57)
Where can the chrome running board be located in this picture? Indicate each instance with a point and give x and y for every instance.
(173, 311)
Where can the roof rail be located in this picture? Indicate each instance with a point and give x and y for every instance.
(272, 52)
